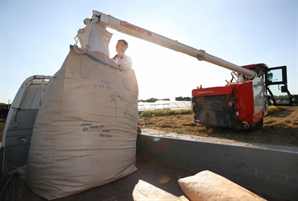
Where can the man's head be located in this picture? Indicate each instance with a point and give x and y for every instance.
(121, 46)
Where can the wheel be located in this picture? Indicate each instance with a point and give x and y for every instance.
(260, 124)
(139, 130)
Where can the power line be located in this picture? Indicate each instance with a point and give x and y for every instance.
(17, 50)
(8, 58)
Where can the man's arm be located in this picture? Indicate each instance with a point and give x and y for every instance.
(126, 63)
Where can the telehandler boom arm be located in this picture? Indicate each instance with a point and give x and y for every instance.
(144, 34)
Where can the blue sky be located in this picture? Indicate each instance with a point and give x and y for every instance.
(35, 38)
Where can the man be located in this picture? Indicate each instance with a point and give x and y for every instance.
(123, 61)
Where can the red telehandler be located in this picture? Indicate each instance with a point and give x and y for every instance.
(241, 103)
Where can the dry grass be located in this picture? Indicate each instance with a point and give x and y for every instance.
(280, 127)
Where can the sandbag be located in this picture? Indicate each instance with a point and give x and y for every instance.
(144, 191)
(208, 186)
(86, 127)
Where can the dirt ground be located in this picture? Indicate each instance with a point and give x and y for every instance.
(280, 128)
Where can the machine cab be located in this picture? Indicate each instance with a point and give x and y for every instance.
(275, 79)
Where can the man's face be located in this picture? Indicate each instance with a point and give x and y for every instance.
(120, 47)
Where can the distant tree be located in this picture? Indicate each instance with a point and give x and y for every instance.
(180, 98)
(151, 100)
(3, 105)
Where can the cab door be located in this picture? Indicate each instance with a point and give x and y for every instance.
(276, 84)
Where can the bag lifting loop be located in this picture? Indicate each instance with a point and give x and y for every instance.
(80, 51)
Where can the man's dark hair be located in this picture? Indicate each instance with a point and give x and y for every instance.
(124, 41)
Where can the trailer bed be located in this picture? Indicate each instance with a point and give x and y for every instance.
(152, 181)
(270, 172)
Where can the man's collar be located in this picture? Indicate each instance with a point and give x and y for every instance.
(117, 55)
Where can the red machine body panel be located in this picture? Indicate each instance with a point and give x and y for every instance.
(253, 66)
(242, 102)
(245, 102)
(213, 91)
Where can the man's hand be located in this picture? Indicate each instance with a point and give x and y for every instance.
(120, 68)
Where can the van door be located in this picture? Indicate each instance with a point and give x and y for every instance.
(276, 84)
(20, 122)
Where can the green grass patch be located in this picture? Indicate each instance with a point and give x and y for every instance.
(159, 113)
(180, 131)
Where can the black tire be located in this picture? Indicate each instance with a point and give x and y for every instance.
(260, 124)
(139, 130)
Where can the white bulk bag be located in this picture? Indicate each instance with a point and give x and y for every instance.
(85, 130)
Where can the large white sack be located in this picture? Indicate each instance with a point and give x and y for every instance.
(208, 186)
(85, 130)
